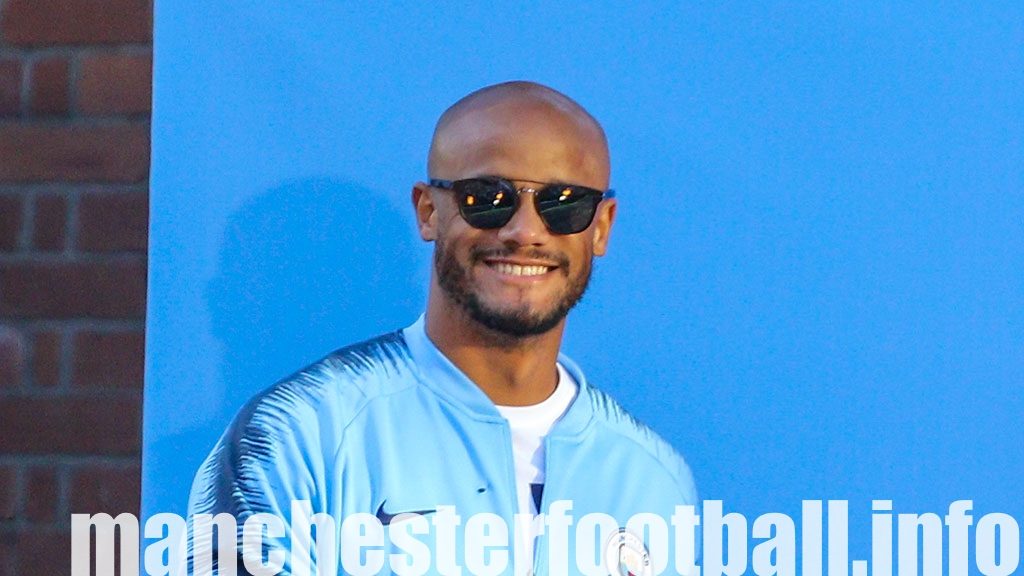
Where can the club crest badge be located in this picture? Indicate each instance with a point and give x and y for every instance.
(626, 555)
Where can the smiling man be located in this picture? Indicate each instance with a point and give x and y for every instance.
(518, 207)
(470, 415)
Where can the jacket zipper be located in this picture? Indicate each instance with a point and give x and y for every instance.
(541, 544)
(510, 459)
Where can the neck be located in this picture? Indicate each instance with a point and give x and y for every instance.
(512, 371)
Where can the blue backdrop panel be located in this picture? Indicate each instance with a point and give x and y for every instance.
(816, 283)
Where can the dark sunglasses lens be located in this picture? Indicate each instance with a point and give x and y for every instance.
(486, 203)
(567, 209)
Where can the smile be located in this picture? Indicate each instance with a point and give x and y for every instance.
(520, 267)
(518, 270)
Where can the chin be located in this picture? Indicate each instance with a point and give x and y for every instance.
(518, 321)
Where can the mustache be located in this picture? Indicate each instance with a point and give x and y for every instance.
(480, 254)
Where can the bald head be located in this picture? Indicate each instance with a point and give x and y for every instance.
(520, 130)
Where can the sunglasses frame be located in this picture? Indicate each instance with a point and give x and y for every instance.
(451, 185)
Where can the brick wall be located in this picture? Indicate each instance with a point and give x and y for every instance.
(74, 155)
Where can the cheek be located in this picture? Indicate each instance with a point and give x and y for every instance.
(448, 221)
(457, 240)
(589, 243)
(579, 253)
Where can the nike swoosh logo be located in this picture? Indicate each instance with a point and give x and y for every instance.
(386, 518)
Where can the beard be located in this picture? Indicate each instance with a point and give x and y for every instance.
(454, 279)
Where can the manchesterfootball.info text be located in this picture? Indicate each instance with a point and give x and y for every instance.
(691, 541)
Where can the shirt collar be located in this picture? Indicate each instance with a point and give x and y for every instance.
(446, 380)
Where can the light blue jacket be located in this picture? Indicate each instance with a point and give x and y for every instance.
(392, 422)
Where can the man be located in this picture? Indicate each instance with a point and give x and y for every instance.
(472, 407)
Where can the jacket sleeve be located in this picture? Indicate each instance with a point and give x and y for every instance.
(272, 457)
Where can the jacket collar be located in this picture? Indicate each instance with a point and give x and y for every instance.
(442, 377)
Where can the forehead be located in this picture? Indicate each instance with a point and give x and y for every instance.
(521, 140)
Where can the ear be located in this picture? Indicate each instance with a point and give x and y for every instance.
(603, 221)
(426, 211)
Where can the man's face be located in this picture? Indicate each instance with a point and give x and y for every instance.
(519, 290)
(519, 279)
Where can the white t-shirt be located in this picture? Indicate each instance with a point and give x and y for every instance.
(529, 425)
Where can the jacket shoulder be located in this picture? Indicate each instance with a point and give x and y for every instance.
(618, 421)
(297, 425)
(341, 381)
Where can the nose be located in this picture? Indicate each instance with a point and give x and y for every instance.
(525, 228)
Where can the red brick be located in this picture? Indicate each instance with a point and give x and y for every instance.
(113, 222)
(10, 220)
(50, 86)
(103, 153)
(36, 22)
(8, 492)
(43, 551)
(105, 488)
(115, 84)
(42, 500)
(8, 551)
(46, 359)
(107, 424)
(108, 360)
(10, 87)
(12, 357)
(73, 290)
(49, 231)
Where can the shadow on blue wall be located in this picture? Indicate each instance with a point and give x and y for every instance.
(303, 269)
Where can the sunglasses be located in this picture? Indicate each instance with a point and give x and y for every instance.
(489, 202)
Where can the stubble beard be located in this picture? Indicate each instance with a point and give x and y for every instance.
(455, 282)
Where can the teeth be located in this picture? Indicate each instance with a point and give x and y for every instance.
(516, 270)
